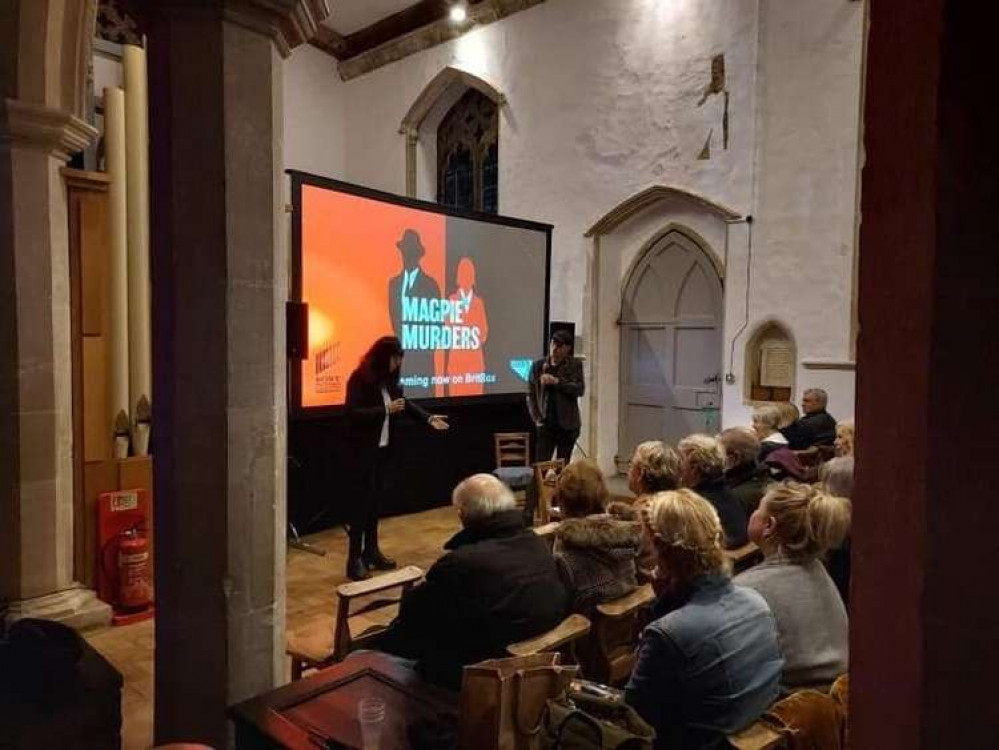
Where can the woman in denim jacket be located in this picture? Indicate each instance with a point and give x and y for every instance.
(708, 663)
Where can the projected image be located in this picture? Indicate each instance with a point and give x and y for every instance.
(466, 298)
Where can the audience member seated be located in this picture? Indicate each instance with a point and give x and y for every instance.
(655, 467)
(845, 439)
(836, 478)
(794, 525)
(788, 414)
(702, 467)
(708, 663)
(498, 584)
(745, 478)
(595, 551)
(816, 426)
(766, 424)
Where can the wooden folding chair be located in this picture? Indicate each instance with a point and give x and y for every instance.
(744, 557)
(315, 650)
(760, 735)
(513, 461)
(547, 532)
(562, 638)
(608, 655)
(545, 480)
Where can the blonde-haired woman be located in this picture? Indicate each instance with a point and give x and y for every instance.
(702, 463)
(794, 526)
(708, 663)
(845, 438)
(766, 425)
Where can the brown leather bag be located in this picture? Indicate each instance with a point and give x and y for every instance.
(503, 701)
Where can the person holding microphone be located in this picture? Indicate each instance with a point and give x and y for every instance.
(374, 402)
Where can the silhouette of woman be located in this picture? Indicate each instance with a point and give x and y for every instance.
(464, 361)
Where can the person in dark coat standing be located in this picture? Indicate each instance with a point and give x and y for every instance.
(702, 466)
(555, 384)
(497, 585)
(374, 402)
(815, 427)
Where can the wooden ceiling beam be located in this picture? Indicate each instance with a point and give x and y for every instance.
(407, 20)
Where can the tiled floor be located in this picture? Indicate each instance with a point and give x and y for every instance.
(412, 540)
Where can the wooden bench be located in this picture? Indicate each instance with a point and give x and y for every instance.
(561, 638)
(320, 648)
(744, 557)
(608, 655)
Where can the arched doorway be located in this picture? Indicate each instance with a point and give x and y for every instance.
(671, 358)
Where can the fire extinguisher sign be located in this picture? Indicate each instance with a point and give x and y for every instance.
(121, 501)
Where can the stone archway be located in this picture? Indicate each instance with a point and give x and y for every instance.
(622, 237)
(42, 124)
(436, 98)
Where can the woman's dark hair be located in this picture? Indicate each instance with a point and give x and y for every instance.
(375, 363)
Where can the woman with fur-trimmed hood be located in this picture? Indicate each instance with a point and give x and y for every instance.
(595, 551)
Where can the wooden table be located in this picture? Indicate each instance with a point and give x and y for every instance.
(321, 710)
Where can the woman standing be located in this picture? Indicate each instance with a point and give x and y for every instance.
(374, 402)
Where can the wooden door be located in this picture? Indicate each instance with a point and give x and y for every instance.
(93, 471)
(671, 325)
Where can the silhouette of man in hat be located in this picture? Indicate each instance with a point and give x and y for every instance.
(414, 283)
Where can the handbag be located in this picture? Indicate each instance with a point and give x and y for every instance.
(586, 722)
(503, 701)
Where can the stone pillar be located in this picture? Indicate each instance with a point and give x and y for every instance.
(923, 619)
(219, 279)
(36, 468)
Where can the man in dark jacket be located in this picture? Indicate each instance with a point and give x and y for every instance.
(497, 585)
(815, 427)
(555, 384)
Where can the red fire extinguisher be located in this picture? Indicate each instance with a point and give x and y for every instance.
(133, 571)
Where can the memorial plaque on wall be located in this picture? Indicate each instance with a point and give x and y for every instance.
(776, 365)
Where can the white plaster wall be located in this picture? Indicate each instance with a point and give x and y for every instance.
(805, 205)
(602, 102)
(314, 103)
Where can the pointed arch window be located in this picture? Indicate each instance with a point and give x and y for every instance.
(468, 154)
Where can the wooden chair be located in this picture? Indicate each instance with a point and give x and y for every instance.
(608, 655)
(545, 478)
(760, 735)
(840, 693)
(744, 557)
(547, 532)
(562, 638)
(810, 718)
(315, 650)
(513, 461)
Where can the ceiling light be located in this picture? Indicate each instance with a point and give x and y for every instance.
(458, 14)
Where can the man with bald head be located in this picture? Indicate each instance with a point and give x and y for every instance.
(496, 584)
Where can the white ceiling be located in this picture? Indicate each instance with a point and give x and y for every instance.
(348, 16)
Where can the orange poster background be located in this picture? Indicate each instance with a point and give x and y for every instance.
(349, 254)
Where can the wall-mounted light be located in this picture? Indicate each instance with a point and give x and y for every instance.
(458, 13)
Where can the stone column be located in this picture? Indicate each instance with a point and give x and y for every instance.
(219, 279)
(923, 619)
(36, 496)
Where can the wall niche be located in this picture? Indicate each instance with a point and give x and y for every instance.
(771, 364)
